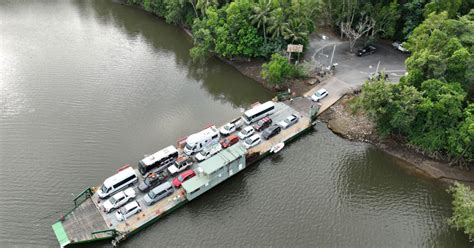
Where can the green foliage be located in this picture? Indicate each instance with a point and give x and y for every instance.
(393, 107)
(278, 70)
(442, 49)
(463, 209)
(429, 106)
(245, 28)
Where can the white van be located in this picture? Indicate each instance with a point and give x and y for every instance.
(122, 179)
(198, 141)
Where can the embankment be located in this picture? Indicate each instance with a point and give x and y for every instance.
(357, 127)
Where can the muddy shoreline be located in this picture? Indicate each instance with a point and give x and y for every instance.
(356, 127)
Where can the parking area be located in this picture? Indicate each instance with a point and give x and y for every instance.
(351, 69)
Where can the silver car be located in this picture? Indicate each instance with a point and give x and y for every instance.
(288, 121)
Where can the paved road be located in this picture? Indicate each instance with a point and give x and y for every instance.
(351, 69)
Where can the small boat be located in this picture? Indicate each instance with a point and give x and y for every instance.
(278, 147)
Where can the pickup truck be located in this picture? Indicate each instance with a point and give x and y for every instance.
(119, 200)
(182, 163)
(231, 127)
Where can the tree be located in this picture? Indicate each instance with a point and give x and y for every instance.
(277, 24)
(261, 15)
(355, 33)
(278, 70)
(203, 5)
(438, 6)
(463, 209)
(294, 32)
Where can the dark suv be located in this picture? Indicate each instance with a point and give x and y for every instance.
(366, 51)
(262, 124)
(271, 131)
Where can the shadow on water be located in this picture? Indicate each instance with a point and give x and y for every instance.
(223, 82)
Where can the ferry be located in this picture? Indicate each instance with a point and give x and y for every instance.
(89, 220)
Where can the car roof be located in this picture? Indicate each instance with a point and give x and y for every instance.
(321, 90)
(254, 137)
(187, 172)
(232, 136)
(119, 194)
(248, 128)
(131, 205)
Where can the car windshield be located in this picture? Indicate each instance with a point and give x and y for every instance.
(204, 153)
(260, 122)
(228, 126)
(151, 194)
(287, 120)
(180, 178)
(122, 210)
(113, 200)
(104, 189)
(189, 147)
(248, 141)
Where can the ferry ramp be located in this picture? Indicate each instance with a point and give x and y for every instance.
(80, 224)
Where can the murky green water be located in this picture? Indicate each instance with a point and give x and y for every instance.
(87, 86)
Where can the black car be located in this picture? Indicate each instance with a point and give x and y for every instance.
(153, 179)
(271, 131)
(262, 124)
(366, 51)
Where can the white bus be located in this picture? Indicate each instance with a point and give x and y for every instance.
(258, 112)
(159, 159)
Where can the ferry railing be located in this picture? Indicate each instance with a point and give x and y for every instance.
(84, 195)
(110, 232)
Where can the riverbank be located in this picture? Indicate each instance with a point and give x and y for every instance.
(356, 127)
(349, 126)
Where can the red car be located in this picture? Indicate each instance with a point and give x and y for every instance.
(183, 177)
(229, 141)
(262, 124)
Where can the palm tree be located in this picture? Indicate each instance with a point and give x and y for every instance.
(294, 31)
(261, 15)
(202, 5)
(276, 24)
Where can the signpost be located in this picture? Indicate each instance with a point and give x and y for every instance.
(294, 49)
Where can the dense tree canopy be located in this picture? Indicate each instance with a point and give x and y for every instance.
(431, 106)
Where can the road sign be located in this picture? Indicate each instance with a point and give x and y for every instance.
(294, 48)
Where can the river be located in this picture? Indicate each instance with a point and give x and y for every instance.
(87, 86)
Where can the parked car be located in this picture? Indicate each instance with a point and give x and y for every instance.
(158, 193)
(208, 152)
(271, 131)
(181, 163)
(246, 132)
(252, 141)
(399, 46)
(262, 124)
(320, 94)
(229, 141)
(183, 177)
(366, 51)
(231, 127)
(119, 200)
(378, 76)
(153, 179)
(128, 210)
(289, 121)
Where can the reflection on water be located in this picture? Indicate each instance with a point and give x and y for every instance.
(87, 86)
